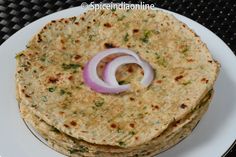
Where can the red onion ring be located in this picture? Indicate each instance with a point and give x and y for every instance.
(110, 70)
(92, 80)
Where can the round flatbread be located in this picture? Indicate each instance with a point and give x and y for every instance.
(50, 82)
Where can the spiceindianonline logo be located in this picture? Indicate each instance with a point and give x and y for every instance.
(114, 6)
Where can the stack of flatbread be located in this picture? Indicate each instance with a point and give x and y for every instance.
(78, 121)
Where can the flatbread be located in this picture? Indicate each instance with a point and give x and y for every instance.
(49, 75)
(68, 143)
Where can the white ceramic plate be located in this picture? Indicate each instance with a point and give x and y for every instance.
(212, 137)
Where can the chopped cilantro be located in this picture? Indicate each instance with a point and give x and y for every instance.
(62, 92)
(19, 55)
(186, 83)
(122, 82)
(55, 130)
(51, 89)
(83, 149)
(113, 9)
(99, 103)
(121, 143)
(146, 36)
(132, 133)
(43, 58)
(126, 37)
(121, 18)
(70, 66)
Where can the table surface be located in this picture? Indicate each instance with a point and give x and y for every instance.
(217, 15)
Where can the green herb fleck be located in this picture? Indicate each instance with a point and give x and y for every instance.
(121, 18)
(83, 149)
(161, 60)
(18, 55)
(119, 130)
(126, 37)
(121, 143)
(91, 37)
(185, 50)
(132, 133)
(44, 99)
(62, 92)
(113, 9)
(122, 82)
(155, 31)
(70, 66)
(51, 89)
(43, 58)
(72, 151)
(99, 103)
(186, 83)
(146, 36)
(55, 130)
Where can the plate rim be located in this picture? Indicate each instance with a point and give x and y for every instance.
(168, 11)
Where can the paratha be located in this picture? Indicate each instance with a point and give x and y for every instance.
(50, 83)
(79, 147)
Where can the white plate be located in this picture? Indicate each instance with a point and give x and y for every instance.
(212, 137)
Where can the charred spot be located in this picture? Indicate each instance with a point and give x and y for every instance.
(28, 63)
(53, 21)
(131, 125)
(176, 123)
(101, 66)
(183, 106)
(52, 80)
(113, 125)
(88, 27)
(26, 69)
(128, 46)
(210, 61)
(109, 45)
(19, 71)
(107, 24)
(190, 60)
(94, 20)
(204, 80)
(135, 30)
(84, 131)
(82, 18)
(114, 14)
(73, 123)
(62, 41)
(76, 57)
(131, 98)
(77, 23)
(142, 72)
(77, 40)
(130, 69)
(61, 112)
(101, 12)
(27, 96)
(155, 107)
(136, 138)
(66, 21)
(65, 125)
(159, 81)
(184, 25)
(22, 90)
(70, 78)
(178, 77)
(39, 38)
